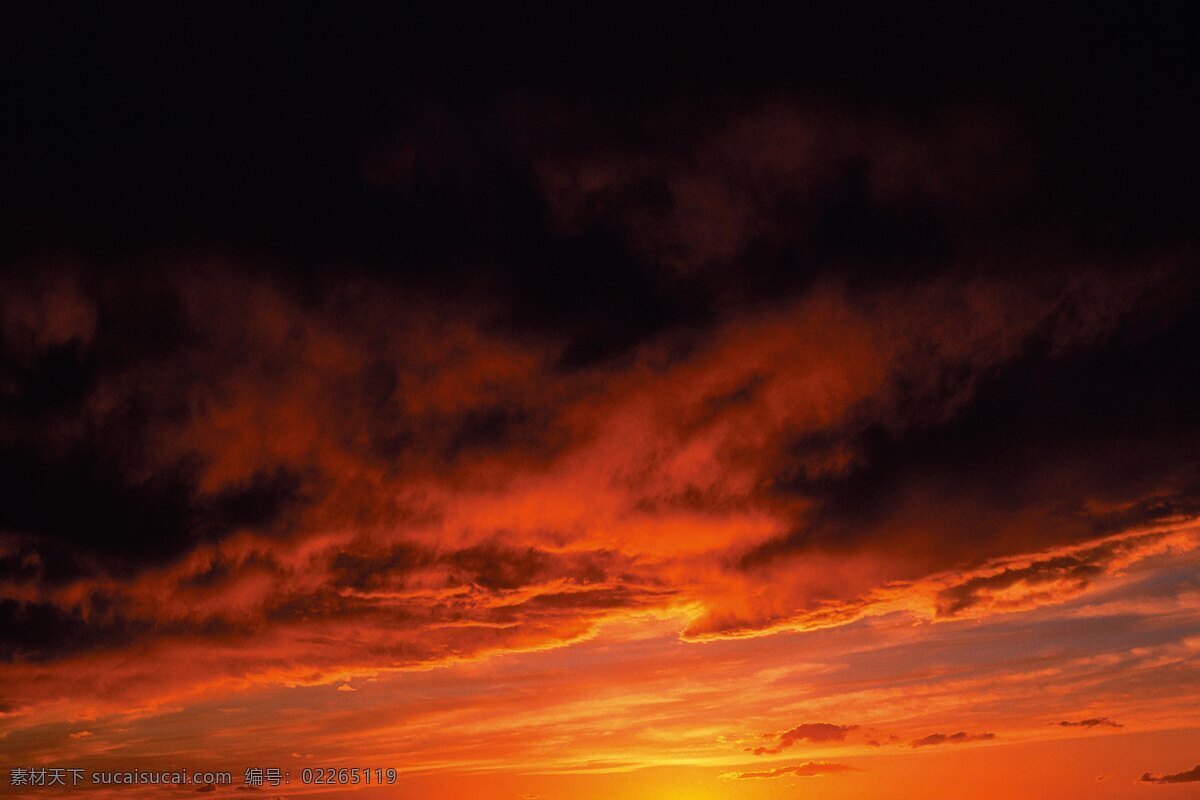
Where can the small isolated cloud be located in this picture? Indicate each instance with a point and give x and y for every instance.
(345, 687)
(1095, 722)
(809, 769)
(1014, 589)
(818, 732)
(82, 735)
(1191, 776)
(208, 787)
(952, 738)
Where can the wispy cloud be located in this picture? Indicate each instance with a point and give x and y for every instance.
(1094, 722)
(809, 769)
(951, 738)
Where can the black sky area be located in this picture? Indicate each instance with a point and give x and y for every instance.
(138, 127)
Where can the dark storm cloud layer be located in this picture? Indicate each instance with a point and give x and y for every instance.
(286, 284)
(1115, 402)
(234, 129)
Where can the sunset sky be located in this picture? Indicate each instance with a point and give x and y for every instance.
(595, 407)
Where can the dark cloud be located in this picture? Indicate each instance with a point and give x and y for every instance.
(1094, 722)
(219, 571)
(491, 565)
(391, 155)
(952, 738)
(495, 566)
(500, 590)
(602, 298)
(87, 499)
(816, 732)
(39, 631)
(377, 568)
(1075, 571)
(1043, 429)
(85, 396)
(499, 428)
(1190, 776)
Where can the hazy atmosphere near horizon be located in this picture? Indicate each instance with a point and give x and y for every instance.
(681, 405)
